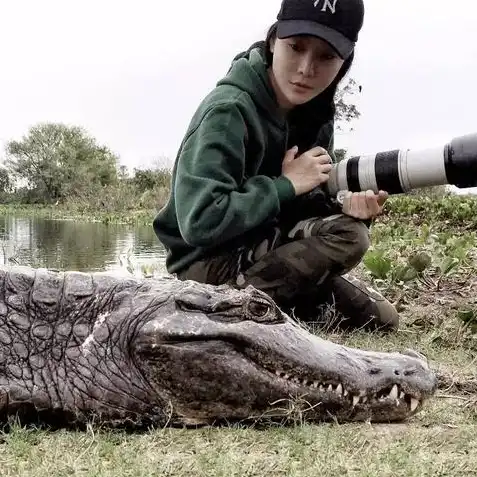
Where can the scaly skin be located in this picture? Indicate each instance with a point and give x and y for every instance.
(120, 351)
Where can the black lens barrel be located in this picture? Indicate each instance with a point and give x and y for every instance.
(460, 159)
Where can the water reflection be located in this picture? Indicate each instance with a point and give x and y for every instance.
(71, 245)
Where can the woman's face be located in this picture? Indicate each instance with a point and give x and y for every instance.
(302, 68)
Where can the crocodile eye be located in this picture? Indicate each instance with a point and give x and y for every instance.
(259, 308)
(184, 305)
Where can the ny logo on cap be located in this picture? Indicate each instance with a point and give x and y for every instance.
(327, 5)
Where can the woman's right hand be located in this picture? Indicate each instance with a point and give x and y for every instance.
(308, 170)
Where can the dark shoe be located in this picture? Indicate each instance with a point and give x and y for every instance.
(345, 302)
(361, 306)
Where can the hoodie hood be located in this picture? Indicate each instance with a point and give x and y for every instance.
(310, 124)
(248, 73)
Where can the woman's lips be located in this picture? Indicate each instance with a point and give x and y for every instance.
(301, 86)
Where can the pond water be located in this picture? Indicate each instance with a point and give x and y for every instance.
(82, 246)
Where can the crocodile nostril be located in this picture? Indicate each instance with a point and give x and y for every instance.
(407, 372)
(373, 371)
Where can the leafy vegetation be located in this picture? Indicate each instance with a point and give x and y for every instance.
(441, 238)
(54, 161)
(61, 170)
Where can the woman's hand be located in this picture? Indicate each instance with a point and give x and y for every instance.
(308, 170)
(364, 205)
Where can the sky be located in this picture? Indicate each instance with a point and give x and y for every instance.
(132, 73)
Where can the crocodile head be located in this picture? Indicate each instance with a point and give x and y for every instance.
(216, 353)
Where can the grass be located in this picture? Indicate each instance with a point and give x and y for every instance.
(437, 298)
(328, 450)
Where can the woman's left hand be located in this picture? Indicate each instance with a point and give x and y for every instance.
(364, 205)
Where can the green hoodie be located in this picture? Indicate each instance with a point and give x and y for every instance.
(227, 180)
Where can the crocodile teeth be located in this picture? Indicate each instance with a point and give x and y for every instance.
(414, 404)
(394, 392)
(355, 400)
(315, 384)
(330, 388)
(286, 376)
(402, 395)
(322, 388)
(345, 392)
(339, 389)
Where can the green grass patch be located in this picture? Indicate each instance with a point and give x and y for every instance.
(327, 451)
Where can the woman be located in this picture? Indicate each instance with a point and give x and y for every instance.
(247, 204)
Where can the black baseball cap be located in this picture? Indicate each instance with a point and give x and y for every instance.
(338, 22)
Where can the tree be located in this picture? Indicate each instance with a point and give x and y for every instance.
(346, 111)
(5, 183)
(340, 154)
(149, 179)
(56, 160)
(123, 173)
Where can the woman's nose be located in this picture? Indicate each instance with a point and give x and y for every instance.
(306, 66)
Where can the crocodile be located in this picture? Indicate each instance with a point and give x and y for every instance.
(81, 348)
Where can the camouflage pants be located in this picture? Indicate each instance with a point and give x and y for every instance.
(304, 266)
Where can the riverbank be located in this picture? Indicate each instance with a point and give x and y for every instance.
(455, 210)
(127, 217)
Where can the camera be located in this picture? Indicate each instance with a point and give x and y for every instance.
(401, 170)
